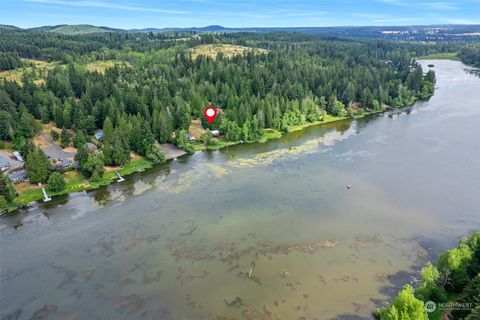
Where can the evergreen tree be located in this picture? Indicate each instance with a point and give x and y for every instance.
(64, 138)
(38, 166)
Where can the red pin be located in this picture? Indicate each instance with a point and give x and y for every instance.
(210, 113)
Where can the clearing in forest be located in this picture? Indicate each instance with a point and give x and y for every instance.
(228, 50)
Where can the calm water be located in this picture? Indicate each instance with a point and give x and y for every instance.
(265, 231)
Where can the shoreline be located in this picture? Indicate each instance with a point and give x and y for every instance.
(78, 183)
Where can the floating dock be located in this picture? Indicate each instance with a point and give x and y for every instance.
(46, 198)
(120, 178)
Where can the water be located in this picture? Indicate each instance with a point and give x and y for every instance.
(263, 231)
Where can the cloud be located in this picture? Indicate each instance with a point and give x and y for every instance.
(393, 20)
(107, 5)
(433, 5)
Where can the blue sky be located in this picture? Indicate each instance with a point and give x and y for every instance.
(237, 13)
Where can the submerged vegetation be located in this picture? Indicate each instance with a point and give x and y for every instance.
(144, 89)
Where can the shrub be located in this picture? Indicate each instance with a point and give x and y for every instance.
(404, 307)
(56, 183)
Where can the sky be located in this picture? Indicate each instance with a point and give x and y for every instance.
(131, 14)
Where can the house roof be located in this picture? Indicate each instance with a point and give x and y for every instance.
(99, 134)
(4, 162)
(90, 145)
(22, 174)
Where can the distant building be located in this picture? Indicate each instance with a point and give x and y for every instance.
(18, 156)
(215, 133)
(91, 147)
(18, 176)
(99, 135)
(4, 164)
(191, 137)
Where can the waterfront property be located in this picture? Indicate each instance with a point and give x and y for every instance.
(18, 176)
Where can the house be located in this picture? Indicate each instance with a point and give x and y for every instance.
(215, 133)
(91, 147)
(99, 135)
(62, 164)
(18, 176)
(18, 156)
(4, 164)
(191, 137)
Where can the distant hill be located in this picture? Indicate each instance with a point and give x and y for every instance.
(75, 29)
(8, 27)
(404, 33)
(214, 28)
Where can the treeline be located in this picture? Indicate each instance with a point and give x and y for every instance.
(454, 278)
(9, 61)
(470, 55)
(160, 92)
(50, 46)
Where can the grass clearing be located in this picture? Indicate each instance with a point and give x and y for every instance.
(326, 119)
(229, 50)
(196, 129)
(100, 66)
(37, 68)
(440, 56)
(269, 134)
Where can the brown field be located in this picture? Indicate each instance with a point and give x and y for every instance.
(196, 128)
(100, 66)
(40, 142)
(24, 186)
(229, 50)
(41, 68)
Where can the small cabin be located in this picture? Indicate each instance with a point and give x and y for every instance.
(18, 176)
(215, 133)
(91, 147)
(99, 135)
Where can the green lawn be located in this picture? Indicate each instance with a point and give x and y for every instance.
(75, 182)
(440, 56)
(219, 144)
(269, 134)
(133, 166)
(326, 119)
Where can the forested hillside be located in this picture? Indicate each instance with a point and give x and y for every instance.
(153, 87)
(471, 55)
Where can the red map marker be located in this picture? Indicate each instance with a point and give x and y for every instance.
(210, 113)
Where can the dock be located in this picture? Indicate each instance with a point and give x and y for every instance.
(46, 197)
(120, 178)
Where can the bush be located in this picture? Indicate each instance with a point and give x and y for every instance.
(3, 204)
(54, 135)
(56, 183)
(456, 261)
(404, 307)
(156, 155)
